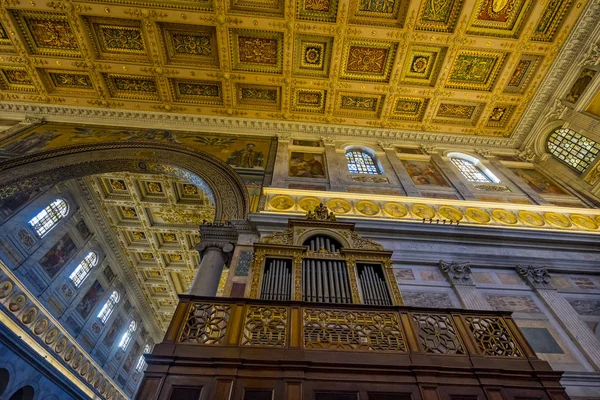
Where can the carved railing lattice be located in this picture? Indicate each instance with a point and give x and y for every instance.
(493, 337)
(353, 330)
(265, 326)
(206, 324)
(437, 334)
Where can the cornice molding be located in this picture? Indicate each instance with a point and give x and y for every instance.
(245, 126)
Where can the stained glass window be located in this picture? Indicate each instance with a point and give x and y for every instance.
(360, 162)
(47, 219)
(84, 268)
(470, 171)
(572, 148)
(127, 336)
(109, 306)
(141, 364)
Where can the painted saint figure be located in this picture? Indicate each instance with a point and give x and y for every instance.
(247, 157)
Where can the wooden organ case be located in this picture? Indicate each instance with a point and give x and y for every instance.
(321, 260)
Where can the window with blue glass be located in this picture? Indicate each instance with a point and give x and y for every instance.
(360, 162)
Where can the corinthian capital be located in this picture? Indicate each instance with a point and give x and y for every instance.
(536, 277)
(457, 273)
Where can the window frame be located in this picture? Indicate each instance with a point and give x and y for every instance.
(572, 148)
(49, 217)
(78, 277)
(141, 364)
(475, 163)
(109, 306)
(364, 160)
(127, 336)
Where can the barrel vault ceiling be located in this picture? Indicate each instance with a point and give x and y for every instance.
(449, 66)
(154, 219)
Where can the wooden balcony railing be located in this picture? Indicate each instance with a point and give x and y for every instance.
(248, 323)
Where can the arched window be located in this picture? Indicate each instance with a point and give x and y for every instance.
(47, 219)
(360, 162)
(84, 268)
(109, 306)
(472, 169)
(141, 364)
(572, 148)
(127, 336)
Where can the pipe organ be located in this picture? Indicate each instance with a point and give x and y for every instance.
(277, 280)
(321, 260)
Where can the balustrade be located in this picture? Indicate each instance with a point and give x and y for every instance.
(390, 329)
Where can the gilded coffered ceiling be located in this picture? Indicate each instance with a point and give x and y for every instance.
(155, 220)
(449, 66)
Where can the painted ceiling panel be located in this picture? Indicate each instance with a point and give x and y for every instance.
(443, 66)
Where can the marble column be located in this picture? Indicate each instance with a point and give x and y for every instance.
(524, 187)
(459, 275)
(282, 160)
(539, 280)
(335, 166)
(458, 184)
(405, 180)
(215, 248)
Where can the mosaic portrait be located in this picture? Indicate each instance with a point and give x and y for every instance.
(424, 173)
(235, 151)
(306, 165)
(58, 256)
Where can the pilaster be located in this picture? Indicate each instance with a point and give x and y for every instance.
(460, 277)
(405, 180)
(282, 160)
(539, 280)
(458, 184)
(334, 167)
(524, 187)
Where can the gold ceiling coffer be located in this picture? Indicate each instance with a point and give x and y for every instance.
(217, 242)
(319, 259)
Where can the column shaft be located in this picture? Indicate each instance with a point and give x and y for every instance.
(405, 180)
(566, 315)
(206, 281)
(471, 298)
(464, 191)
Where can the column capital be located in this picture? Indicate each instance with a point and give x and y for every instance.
(457, 273)
(216, 235)
(386, 145)
(536, 277)
(328, 141)
(284, 137)
(30, 119)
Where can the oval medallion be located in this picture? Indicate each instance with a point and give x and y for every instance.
(584, 222)
(282, 203)
(339, 206)
(531, 219)
(29, 315)
(40, 326)
(450, 213)
(422, 211)
(395, 210)
(309, 203)
(558, 220)
(504, 217)
(367, 208)
(478, 215)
